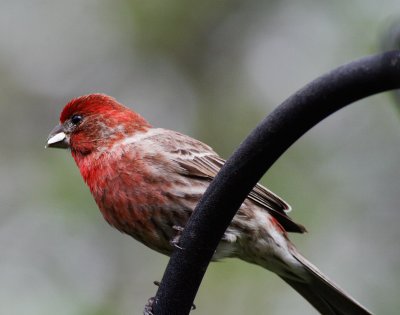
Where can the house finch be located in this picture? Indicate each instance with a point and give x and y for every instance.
(147, 181)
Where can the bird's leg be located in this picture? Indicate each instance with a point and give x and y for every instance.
(175, 241)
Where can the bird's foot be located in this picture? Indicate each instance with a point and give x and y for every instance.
(148, 308)
(175, 241)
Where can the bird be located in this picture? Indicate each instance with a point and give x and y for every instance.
(147, 181)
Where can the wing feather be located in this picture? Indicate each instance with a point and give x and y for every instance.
(196, 159)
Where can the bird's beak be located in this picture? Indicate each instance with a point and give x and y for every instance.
(57, 138)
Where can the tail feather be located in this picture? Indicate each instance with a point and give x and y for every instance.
(313, 297)
(325, 296)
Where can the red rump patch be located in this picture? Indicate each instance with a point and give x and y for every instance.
(277, 225)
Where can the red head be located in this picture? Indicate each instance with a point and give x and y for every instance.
(93, 122)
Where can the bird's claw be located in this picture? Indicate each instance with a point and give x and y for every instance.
(148, 308)
(175, 241)
(178, 228)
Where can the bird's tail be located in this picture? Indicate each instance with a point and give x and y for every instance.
(324, 295)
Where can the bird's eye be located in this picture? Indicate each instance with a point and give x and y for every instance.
(76, 119)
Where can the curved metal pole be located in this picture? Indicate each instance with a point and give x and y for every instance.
(390, 40)
(269, 140)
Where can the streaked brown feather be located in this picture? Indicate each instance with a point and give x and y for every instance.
(199, 160)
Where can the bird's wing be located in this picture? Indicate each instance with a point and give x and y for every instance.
(196, 159)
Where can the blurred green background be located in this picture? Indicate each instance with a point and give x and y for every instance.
(211, 69)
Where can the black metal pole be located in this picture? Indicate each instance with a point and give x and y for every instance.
(269, 140)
